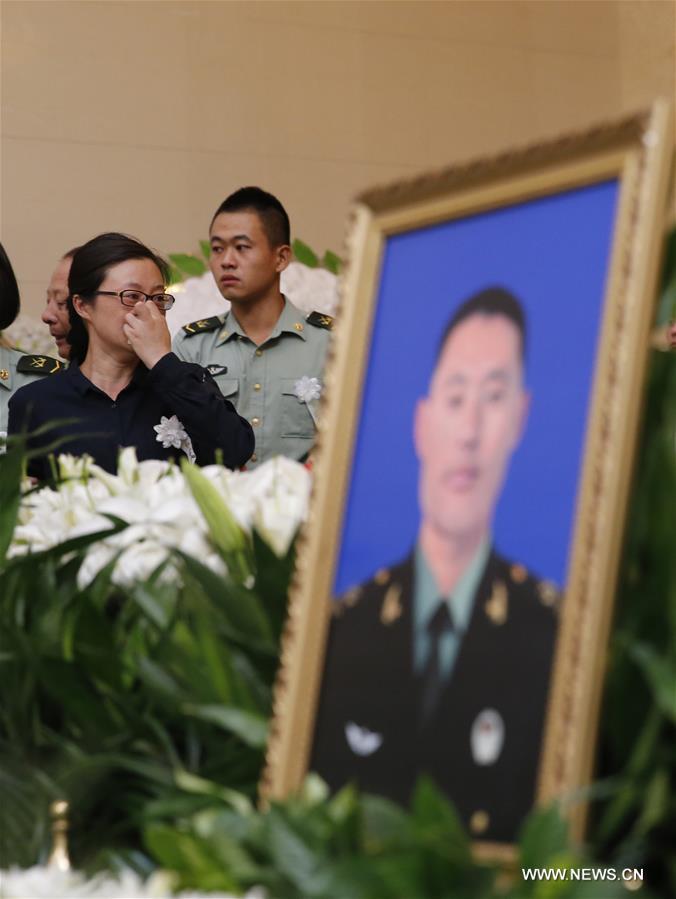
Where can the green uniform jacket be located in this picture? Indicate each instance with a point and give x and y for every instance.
(17, 369)
(482, 744)
(261, 381)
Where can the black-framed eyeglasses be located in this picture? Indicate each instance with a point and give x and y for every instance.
(131, 297)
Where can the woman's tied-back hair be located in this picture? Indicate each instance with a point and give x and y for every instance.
(9, 291)
(91, 263)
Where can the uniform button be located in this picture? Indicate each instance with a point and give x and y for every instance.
(479, 822)
(254, 458)
(259, 352)
(255, 422)
(257, 386)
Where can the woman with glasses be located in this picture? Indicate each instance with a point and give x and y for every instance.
(124, 386)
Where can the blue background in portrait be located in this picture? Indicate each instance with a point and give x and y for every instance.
(553, 253)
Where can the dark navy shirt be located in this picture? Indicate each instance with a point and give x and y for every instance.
(104, 425)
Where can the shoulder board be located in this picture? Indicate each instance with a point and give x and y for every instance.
(39, 365)
(202, 324)
(320, 320)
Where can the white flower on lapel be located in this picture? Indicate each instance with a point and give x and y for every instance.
(487, 737)
(170, 432)
(361, 740)
(308, 390)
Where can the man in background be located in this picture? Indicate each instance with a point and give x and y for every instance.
(55, 313)
(440, 664)
(266, 356)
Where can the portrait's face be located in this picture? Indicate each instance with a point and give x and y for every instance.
(245, 266)
(468, 426)
(55, 313)
(105, 316)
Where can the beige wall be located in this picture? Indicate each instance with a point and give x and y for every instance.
(142, 116)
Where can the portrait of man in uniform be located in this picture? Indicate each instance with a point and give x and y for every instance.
(440, 662)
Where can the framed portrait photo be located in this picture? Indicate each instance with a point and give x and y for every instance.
(453, 593)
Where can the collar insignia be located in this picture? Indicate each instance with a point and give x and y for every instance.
(38, 365)
(391, 609)
(496, 605)
(320, 320)
(201, 325)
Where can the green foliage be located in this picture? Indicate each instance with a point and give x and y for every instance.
(332, 262)
(188, 266)
(134, 703)
(304, 254)
(637, 759)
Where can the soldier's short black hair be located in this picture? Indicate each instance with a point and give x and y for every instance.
(267, 207)
(9, 291)
(490, 301)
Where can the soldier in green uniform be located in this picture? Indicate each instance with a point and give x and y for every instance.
(266, 356)
(16, 368)
(440, 664)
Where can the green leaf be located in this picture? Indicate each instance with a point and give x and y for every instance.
(188, 264)
(656, 802)
(239, 608)
(434, 817)
(304, 254)
(543, 835)
(249, 727)
(224, 530)
(292, 856)
(11, 466)
(176, 276)
(385, 823)
(661, 675)
(200, 785)
(332, 262)
(205, 247)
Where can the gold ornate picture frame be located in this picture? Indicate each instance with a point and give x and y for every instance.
(575, 226)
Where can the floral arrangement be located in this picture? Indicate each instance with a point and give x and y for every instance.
(51, 883)
(156, 501)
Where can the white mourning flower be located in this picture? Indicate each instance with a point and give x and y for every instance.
(307, 389)
(170, 432)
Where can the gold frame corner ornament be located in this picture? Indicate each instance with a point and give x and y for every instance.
(636, 150)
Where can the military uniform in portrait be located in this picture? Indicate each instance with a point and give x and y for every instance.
(276, 386)
(482, 741)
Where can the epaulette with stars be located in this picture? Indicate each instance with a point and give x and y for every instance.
(320, 320)
(202, 325)
(33, 364)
